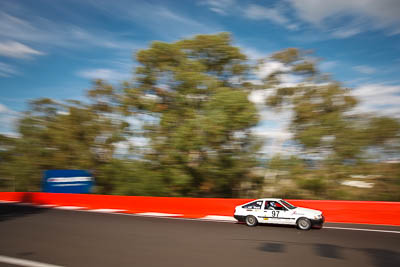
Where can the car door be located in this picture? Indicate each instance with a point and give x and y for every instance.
(270, 215)
(275, 212)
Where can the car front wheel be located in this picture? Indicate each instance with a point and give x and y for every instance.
(251, 221)
(304, 224)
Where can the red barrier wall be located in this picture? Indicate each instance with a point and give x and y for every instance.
(368, 212)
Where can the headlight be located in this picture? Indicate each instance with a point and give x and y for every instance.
(317, 217)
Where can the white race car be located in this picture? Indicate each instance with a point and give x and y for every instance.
(278, 211)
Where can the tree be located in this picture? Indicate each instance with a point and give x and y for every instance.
(200, 117)
(324, 120)
(324, 123)
(56, 135)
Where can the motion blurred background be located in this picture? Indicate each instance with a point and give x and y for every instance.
(213, 98)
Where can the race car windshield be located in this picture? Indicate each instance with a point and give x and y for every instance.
(288, 205)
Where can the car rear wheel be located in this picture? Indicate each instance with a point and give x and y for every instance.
(251, 221)
(304, 224)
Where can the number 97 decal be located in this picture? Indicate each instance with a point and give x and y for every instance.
(275, 213)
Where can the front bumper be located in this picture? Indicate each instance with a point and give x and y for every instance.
(318, 222)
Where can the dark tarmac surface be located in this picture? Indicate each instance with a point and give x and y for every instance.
(76, 238)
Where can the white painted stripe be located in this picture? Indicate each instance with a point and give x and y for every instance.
(362, 229)
(26, 263)
(8, 201)
(68, 207)
(172, 218)
(158, 214)
(219, 218)
(107, 210)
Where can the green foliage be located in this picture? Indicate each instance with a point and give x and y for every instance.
(60, 136)
(202, 144)
(325, 125)
(323, 121)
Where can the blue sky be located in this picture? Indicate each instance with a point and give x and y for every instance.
(54, 48)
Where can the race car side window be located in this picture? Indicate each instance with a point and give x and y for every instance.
(279, 206)
(273, 205)
(267, 205)
(253, 205)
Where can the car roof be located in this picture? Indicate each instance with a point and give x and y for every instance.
(270, 199)
(263, 199)
(266, 199)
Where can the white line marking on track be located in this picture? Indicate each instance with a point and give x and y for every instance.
(362, 229)
(68, 207)
(219, 218)
(158, 214)
(26, 263)
(106, 210)
(8, 201)
(173, 218)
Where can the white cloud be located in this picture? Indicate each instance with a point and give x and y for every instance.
(8, 118)
(162, 20)
(293, 26)
(17, 50)
(252, 53)
(259, 13)
(270, 67)
(275, 15)
(378, 98)
(105, 74)
(48, 33)
(364, 69)
(279, 134)
(3, 109)
(346, 32)
(358, 15)
(174, 25)
(12, 27)
(7, 70)
(276, 138)
(273, 126)
(328, 65)
(219, 6)
(258, 97)
(104, 39)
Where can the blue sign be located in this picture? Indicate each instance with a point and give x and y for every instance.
(67, 181)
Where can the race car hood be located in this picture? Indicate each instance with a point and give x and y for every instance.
(306, 211)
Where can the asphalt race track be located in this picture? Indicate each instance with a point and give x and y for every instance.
(77, 238)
